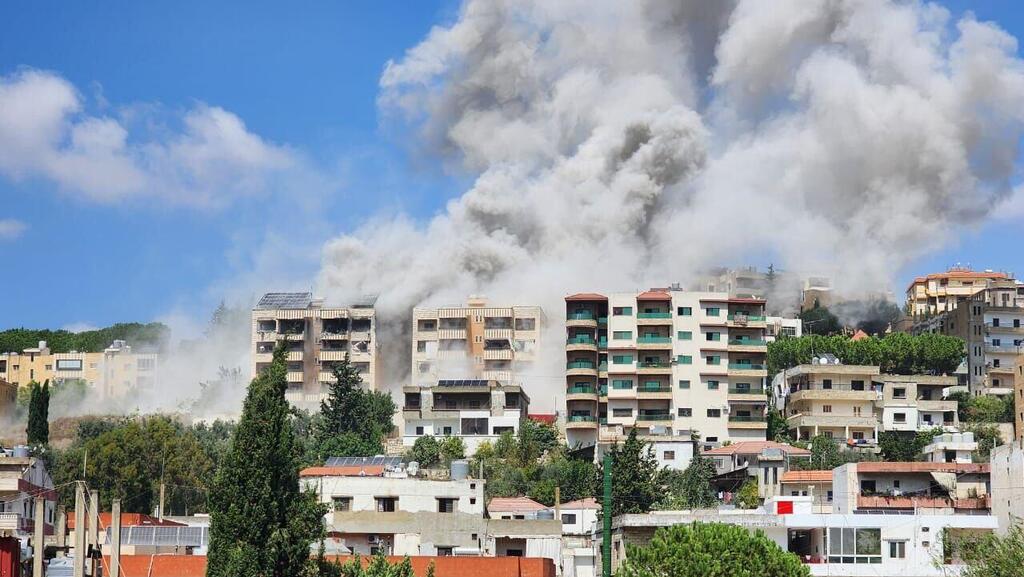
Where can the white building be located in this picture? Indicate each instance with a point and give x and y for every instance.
(475, 410)
(475, 341)
(579, 519)
(667, 363)
(1007, 463)
(22, 478)
(951, 448)
(781, 327)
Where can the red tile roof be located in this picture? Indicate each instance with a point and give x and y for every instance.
(586, 297)
(514, 505)
(959, 274)
(859, 335)
(160, 565)
(588, 503)
(130, 520)
(345, 471)
(921, 467)
(753, 447)
(654, 296)
(807, 477)
(543, 418)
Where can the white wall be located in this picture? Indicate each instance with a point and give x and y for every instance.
(414, 495)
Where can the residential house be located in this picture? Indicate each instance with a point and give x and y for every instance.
(814, 484)
(764, 461)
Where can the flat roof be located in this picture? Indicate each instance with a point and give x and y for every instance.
(807, 477)
(921, 467)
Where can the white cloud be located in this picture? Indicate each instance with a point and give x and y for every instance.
(11, 229)
(80, 327)
(205, 156)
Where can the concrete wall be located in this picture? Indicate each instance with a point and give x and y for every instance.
(1008, 484)
(414, 495)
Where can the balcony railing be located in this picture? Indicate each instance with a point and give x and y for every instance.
(602, 320)
(602, 366)
(654, 388)
(661, 315)
(748, 342)
(747, 419)
(580, 316)
(602, 343)
(623, 386)
(580, 391)
(582, 419)
(835, 387)
(581, 340)
(746, 390)
(653, 364)
(580, 365)
(748, 318)
(653, 340)
(654, 417)
(745, 367)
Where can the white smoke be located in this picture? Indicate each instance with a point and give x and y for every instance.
(617, 145)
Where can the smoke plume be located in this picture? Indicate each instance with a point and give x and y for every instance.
(616, 145)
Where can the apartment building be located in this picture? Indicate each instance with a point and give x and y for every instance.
(991, 323)
(667, 363)
(115, 372)
(474, 409)
(22, 478)
(939, 293)
(379, 506)
(766, 462)
(317, 337)
(781, 327)
(832, 399)
(1007, 469)
(475, 341)
(917, 402)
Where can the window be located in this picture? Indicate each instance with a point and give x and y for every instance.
(446, 431)
(713, 360)
(685, 335)
(668, 456)
(897, 549)
(857, 385)
(568, 518)
(713, 336)
(895, 483)
(445, 551)
(899, 417)
(995, 322)
(858, 435)
(75, 364)
(446, 505)
(828, 496)
(622, 412)
(622, 311)
(622, 359)
(856, 411)
(684, 311)
(868, 486)
(996, 342)
(899, 393)
(341, 503)
(526, 324)
(474, 426)
(684, 384)
(421, 346)
(826, 408)
(854, 545)
(387, 504)
(684, 359)
(685, 412)
(714, 413)
(712, 385)
(419, 431)
(622, 384)
(826, 383)
(622, 335)
(712, 311)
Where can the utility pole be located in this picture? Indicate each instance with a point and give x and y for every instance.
(115, 538)
(38, 547)
(60, 533)
(558, 504)
(94, 529)
(79, 564)
(606, 514)
(160, 511)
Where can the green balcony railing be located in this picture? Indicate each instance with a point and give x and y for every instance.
(602, 320)
(581, 340)
(582, 419)
(602, 343)
(654, 417)
(653, 364)
(750, 318)
(747, 390)
(653, 340)
(602, 421)
(746, 419)
(622, 386)
(580, 365)
(654, 389)
(745, 367)
(748, 342)
(580, 316)
(602, 366)
(580, 390)
(664, 315)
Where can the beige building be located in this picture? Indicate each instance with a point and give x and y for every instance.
(1018, 397)
(476, 341)
(113, 373)
(473, 410)
(667, 363)
(941, 292)
(317, 337)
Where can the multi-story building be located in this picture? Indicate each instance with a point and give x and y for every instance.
(938, 293)
(913, 487)
(764, 461)
(814, 484)
(115, 372)
(1018, 397)
(474, 409)
(317, 338)
(781, 327)
(951, 448)
(22, 479)
(667, 363)
(917, 402)
(475, 341)
(991, 323)
(1007, 462)
(832, 399)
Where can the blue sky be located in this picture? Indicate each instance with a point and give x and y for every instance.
(302, 77)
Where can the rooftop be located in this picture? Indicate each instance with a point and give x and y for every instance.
(160, 565)
(271, 301)
(921, 467)
(514, 505)
(586, 297)
(130, 520)
(755, 447)
(961, 274)
(344, 471)
(588, 503)
(807, 477)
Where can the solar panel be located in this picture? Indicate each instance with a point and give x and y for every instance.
(155, 535)
(285, 301)
(462, 383)
(378, 460)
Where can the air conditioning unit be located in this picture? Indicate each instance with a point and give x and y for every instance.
(372, 539)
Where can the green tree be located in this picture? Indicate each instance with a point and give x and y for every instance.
(636, 480)
(451, 449)
(990, 409)
(824, 453)
(778, 428)
(261, 524)
(988, 437)
(38, 429)
(992, 555)
(896, 446)
(747, 497)
(819, 321)
(426, 451)
(710, 550)
(352, 421)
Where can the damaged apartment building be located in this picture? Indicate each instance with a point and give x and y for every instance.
(317, 337)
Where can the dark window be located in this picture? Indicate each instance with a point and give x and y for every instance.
(474, 426)
(387, 504)
(569, 518)
(446, 505)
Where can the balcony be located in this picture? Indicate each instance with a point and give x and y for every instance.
(581, 319)
(653, 368)
(578, 393)
(748, 346)
(989, 328)
(993, 370)
(921, 502)
(817, 391)
(581, 343)
(748, 422)
(581, 422)
(581, 368)
(660, 391)
(648, 417)
(742, 320)
(294, 376)
(747, 370)
(654, 342)
(746, 394)
(654, 319)
(1004, 349)
(11, 523)
(831, 420)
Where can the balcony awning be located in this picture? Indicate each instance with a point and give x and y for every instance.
(945, 480)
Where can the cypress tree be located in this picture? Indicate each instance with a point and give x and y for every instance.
(261, 524)
(37, 431)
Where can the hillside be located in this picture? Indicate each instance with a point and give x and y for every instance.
(149, 335)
